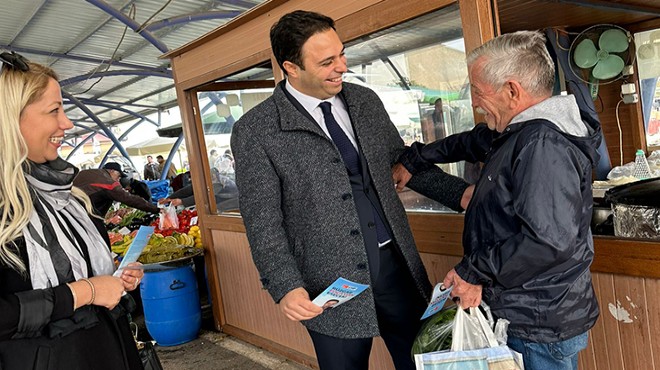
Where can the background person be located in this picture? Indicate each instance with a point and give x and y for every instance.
(318, 201)
(213, 156)
(58, 300)
(136, 187)
(438, 118)
(224, 191)
(171, 172)
(225, 164)
(527, 240)
(151, 171)
(103, 188)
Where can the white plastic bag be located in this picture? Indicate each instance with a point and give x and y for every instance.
(472, 331)
(474, 346)
(168, 219)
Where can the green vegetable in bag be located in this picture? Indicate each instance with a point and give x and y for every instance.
(435, 334)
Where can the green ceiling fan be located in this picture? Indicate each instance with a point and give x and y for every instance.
(600, 54)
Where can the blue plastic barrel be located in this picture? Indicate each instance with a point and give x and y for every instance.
(172, 311)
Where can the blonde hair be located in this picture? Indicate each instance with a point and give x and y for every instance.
(18, 89)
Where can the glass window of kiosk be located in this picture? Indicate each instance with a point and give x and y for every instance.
(418, 69)
(221, 104)
(648, 69)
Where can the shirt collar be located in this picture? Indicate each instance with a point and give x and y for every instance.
(310, 103)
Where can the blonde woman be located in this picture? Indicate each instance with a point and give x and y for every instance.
(60, 303)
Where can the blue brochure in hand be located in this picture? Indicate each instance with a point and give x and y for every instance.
(440, 295)
(338, 292)
(135, 249)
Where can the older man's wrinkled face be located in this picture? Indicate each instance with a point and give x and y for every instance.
(494, 102)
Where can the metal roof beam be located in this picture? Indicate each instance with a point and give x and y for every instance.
(146, 111)
(113, 89)
(112, 102)
(121, 72)
(98, 122)
(168, 161)
(112, 148)
(27, 24)
(82, 58)
(206, 8)
(193, 17)
(119, 87)
(80, 145)
(86, 128)
(132, 24)
(97, 28)
(152, 93)
(114, 107)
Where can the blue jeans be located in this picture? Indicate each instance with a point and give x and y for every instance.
(550, 356)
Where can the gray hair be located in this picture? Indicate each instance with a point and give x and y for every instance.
(519, 55)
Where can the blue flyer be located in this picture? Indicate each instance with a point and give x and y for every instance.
(340, 291)
(440, 295)
(135, 249)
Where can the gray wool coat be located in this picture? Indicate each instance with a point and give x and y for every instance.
(293, 185)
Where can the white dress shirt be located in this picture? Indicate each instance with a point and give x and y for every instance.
(339, 111)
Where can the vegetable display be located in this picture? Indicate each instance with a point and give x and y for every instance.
(165, 244)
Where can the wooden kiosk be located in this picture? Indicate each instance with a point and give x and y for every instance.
(626, 272)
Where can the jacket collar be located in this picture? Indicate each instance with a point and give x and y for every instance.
(295, 117)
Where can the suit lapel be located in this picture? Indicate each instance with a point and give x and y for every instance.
(293, 116)
(358, 123)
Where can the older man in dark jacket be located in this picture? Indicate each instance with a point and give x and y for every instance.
(527, 238)
(318, 200)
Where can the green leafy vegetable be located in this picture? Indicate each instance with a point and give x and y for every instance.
(435, 334)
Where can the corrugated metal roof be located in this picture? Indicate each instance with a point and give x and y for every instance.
(75, 37)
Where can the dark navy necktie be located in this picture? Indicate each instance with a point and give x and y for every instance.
(351, 159)
(348, 152)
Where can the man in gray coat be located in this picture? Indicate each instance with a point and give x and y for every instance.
(313, 168)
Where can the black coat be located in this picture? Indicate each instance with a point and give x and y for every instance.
(92, 337)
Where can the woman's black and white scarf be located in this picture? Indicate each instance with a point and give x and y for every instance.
(60, 231)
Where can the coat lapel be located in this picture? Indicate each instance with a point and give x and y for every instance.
(294, 118)
(360, 123)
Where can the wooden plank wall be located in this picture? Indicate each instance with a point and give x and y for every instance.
(624, 336)
(623, 342)
(251, 314)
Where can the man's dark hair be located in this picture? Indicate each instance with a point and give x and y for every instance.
(290, 33)
(159, 157)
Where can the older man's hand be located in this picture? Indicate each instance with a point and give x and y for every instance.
(401, 176)
(469, 294)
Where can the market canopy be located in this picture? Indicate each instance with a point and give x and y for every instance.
(212, 125)
(152, 146)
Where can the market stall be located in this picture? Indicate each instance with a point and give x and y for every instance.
(623, 269)
(175, 236)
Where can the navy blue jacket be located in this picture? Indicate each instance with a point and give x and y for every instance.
(527, 238)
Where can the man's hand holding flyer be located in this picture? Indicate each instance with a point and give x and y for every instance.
(340, 291)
